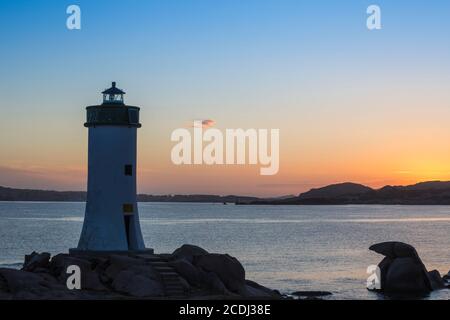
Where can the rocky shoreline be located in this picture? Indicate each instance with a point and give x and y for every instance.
(190, 272)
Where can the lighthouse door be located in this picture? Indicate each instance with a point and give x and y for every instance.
(128, 214)
(127, 229)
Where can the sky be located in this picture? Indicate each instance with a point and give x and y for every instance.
(351, 104)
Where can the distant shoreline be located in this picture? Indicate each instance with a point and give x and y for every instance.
(238, 204)
(424, 193)
(30, 195)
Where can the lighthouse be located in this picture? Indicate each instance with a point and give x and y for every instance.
(111, 221)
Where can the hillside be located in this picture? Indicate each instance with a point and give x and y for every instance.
(346, 189)
(424, 193)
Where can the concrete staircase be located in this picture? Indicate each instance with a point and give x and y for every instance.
(173, 286)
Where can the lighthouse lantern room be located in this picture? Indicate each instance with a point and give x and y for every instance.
(113, 95)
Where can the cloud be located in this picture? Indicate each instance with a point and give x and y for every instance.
(208, 123)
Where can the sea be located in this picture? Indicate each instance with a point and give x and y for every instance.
(288, 248)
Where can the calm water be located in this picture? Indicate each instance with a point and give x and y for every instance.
(289, 248)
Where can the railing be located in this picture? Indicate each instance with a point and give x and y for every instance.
(112, 115)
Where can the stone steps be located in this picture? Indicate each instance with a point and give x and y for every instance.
(173, 286)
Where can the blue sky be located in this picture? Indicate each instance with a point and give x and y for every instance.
(283, 64)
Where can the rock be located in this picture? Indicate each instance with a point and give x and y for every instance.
(402, 271)
(213, 283)
(252, 292)
(313, 298)
(227, 268)
(436, 281)
(119, 276)
(185, 269)
(98, 264)
(256, 290)
(60, 263)
(91, 281)
(18, 280)
(447, 276)
(310, 294)
(405, 275)
(394, 249)
(188, 252)
(384, 267)
(146, 271)
(3, 285)
(186, 286)
(24, 282)
(36, 260)
(118, 263)
(446, 280)
(137, 285)
(5, 296)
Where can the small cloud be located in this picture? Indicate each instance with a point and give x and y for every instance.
(208, 123)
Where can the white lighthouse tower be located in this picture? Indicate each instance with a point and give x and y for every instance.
(111, 220)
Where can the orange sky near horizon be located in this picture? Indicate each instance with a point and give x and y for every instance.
(368, 158)
(392, 139)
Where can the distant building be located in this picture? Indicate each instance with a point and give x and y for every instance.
(111, 220)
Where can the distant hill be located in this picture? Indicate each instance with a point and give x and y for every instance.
(346, 189)
(11, 194)
(435, 185)
(424, 193)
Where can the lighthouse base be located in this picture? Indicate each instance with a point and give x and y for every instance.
(78, 252)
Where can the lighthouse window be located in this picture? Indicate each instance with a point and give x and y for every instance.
(127, 208)
(128, 170)
(133, 116)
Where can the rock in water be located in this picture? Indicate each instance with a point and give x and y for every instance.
(311, 293)
(437, 282)
(395, 249)
(402, 270)
(406, 275)
(254, 289)
(447, 277)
